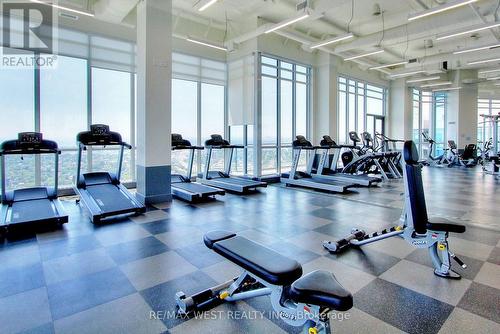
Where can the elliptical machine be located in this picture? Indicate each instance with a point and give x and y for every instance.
(432, 161)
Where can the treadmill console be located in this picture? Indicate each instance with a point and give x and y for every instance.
(217, 138)
(99, 129)
(29, 138)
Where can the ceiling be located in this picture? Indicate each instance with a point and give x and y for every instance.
(399, 38)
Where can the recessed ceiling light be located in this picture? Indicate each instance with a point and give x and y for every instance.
(440, 9)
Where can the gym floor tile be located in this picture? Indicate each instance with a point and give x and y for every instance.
(421, 279)
(473, 265)
(76, 265)
(222, 271)
(334, 215)
(258, 236)
(362, 322)
(121, 232)
(47, 328)
(218, 224)
(24, 311)
(311, 241)
(469, 248)
(136, 249)
(150, 216)
(405, 309)
(73, 296)
(21, 278)
(197, 255)
(489, 275)
(335, 230)
(495, 256)
(19, 255)
(372, 262)
(160, 226)
(127, 314)
(161, 298)
(284, 230)
(293, 251)
(461, 321)
(396, 247)
(59, 248)
(157, 269)
(342, 272)
(309, 221)
(229, 318)
(480, 235)
(181, 237)
(482, 300)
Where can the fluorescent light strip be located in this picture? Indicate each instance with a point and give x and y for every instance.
(488, 71)
(388, 65)
(483, 61)
(398, 75)
(493, 78)
(364, 55)
(444, 83)
(468, 31)
(477, 49)
(208, 4)
(64, 8)
(440, 9)
(423, 79)
(332, 40)
(444, 89)
(192, 40)
(287, 23)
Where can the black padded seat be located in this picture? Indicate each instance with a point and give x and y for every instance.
(444, 225)
(321, 288)
(257, 259)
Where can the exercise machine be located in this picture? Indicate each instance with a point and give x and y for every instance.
(414, 226)
(431, 160)
(307, 179)
(330, 171)
(298, 300)
(223, 179)
(101, 192)
(468, 158)
(30, 207)
(491, 165)
(182, 186)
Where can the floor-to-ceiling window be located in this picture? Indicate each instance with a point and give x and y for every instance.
(285, 88)
(361, 107)
(485, 126)
(429, 117)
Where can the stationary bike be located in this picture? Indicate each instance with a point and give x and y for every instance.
(432, 161)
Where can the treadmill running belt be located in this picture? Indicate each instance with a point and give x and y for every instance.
(239, 181)
(195, 188)
(34, 210)
(109, 197)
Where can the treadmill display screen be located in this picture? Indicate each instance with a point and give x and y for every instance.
(99, 129)
(30, 138)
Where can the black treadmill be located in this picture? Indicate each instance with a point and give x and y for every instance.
(30, 206)
(182, 186)
(101, 192)
(222, 179)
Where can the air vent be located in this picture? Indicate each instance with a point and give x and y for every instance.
(302, 5)
(68, 16)
(413, 60)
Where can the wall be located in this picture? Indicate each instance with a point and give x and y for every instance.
(400, 112)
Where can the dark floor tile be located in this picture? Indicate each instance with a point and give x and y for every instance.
(20, 278)
(199, 255)
(135, 250)
(369, 261)
(294, 252)
(70, 297)
(263, 305)
(162, 297)
(43, 329)
(482, 300)
(341, 229)
(480, 235)
(160, 226)
(218, 224)
(473, 265)
(403, 308)
(495, 256)
(59, 248)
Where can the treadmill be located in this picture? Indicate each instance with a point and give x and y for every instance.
(331, 172)
(182, 186)
(101, 192)
(223, 180)
(306, 179)
(35, 206)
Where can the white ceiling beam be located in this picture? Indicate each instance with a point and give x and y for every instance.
(113, 11)
(483, 20)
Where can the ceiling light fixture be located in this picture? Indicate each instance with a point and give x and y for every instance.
(287, 23)
(332, 40)
(493, 78)
(444, 83)
(206, 5)
(64, 8)
(440, 9)
(445, 89)
(211, 45)
(423, 79)
(405, 74)
(488, 71)
(483, 61)
(493, 46)
(468, 30)
(364, 55)
(388, 65)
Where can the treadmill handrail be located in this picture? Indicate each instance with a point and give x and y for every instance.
(184, 147)
(100, 143)
(30, 151)
(224, 146)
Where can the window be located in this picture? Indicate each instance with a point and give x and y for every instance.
(429, 116)
(285, 90)
(485, 126)
(361, 107)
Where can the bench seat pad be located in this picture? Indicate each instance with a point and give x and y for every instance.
(257, 259)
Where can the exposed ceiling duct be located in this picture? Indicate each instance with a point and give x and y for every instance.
(113, 11)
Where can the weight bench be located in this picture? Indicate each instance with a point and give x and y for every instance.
(297, 300)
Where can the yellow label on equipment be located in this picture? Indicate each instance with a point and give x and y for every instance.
(441, 247)
(224, 295)
(313, 330)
